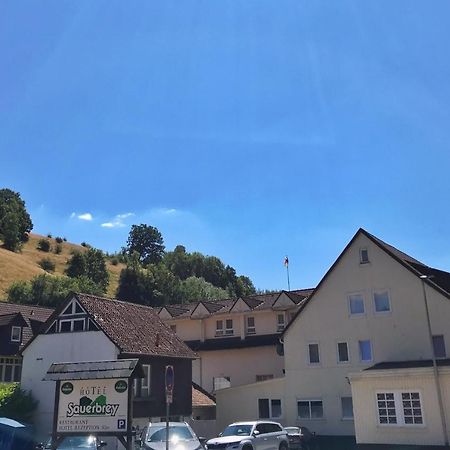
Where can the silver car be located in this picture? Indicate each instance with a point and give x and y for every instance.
(255, 435)
(181, 436)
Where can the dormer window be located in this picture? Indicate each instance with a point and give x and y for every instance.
(280, 322)
(66, 326)
(16, 334)
(363, 256)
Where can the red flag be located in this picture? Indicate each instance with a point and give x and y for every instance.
(286, 261)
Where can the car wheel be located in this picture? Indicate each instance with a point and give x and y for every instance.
(283, 446)
(247, 447)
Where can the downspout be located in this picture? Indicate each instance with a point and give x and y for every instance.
(435, 367)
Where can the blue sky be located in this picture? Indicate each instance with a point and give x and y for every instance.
(244, 129)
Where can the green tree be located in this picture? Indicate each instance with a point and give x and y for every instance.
(147, 242)
(47, 290)
(195, 289)
(15, 222)
(90, 264)
(16, 403)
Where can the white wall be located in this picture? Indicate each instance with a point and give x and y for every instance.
(241, 365)
(398, 335)
(62, 347)
(241, 403)
(365, 387)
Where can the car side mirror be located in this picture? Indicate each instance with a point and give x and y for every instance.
(255, 433)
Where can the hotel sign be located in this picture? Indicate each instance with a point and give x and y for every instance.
(93, 406)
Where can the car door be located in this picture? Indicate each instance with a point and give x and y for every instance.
(260, 441)
(274, 436)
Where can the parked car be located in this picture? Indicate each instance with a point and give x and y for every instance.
(299, 438)
(255, 435)
(75, 443)
(15, 435)
(181, 435)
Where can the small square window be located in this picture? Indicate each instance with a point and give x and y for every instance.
(229, 327)
(173, 328)
(78, 325)
(356, 304)
(280, 322)
(219, 327)
(16, 333)
(64, 326)
(439, 346)
(313, 350)
(365, 350)
(363, 256)
(251, 329)
(381, 300)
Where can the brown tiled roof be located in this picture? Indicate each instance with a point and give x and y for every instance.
(255, 302)
(201, 398)
(34, 317)
(135, 329)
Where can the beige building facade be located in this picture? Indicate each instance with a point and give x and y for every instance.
(368, 308)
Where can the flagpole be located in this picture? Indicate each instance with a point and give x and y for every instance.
(286, 263)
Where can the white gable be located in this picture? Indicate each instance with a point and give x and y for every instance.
(283, 302)
(240, 306)
(164, 314)
(200, 311)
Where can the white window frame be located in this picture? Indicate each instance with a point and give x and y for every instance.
(13, 329)
(308, 356)
(361, 250)
(72, 321)
(250, 329)
(220, 331)
(144, 383)
(352, 417)
(281, 325)
(381, 291)
(338, 355)
(15, 364)
(365, 361)
(229, 331)
(271, 416)
(353, 294)
(399, 409)
(310, 400)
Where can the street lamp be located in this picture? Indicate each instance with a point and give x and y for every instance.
(433, 356)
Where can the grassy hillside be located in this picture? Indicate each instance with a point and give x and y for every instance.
(24, 265)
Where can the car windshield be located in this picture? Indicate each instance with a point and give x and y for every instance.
(176, 433)
(75, 442)
(237, 430)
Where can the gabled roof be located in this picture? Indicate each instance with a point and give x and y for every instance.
(201, 398)
(34, 317)
(440, 280)
(15, 318)
(134, 329)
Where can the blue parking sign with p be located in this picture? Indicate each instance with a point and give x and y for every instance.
(121, 424)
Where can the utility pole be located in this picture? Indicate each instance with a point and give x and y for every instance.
(286, 263)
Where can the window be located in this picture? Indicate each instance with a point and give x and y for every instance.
(313, 352)
(173, 328)
(221, 383)
(365, 350)
(399, 408)
(356, 304)
(439, 346)
(381, 300)
(269, 408)
(78, 325)
(264, 377)
(141, 387)
(68, 325)
(219, 327)
(310, 409)
(343, 356)
(65, 326)
(229, 327)
(251, 329)
(363, 256)
(16, 333)
(10, 369)
(347, 407)
(280, 322)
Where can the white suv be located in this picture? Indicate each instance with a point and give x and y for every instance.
(257, 435)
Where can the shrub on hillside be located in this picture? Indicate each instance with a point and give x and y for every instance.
(16, 403)
(47, 264)
(64, 239)
(58, 249)
(114, 261)
(49, 235)
(58, 239)
(85, 244)
(44, 245)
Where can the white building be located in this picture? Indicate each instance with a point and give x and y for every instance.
(367, 309)
(229, 335)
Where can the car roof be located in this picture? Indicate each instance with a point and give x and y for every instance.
(171, 424)
(254, 422)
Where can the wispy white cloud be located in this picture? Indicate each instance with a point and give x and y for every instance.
(85, 216)
(72, 216)
(118, 221)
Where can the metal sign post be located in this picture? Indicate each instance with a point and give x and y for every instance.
(169, 398)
